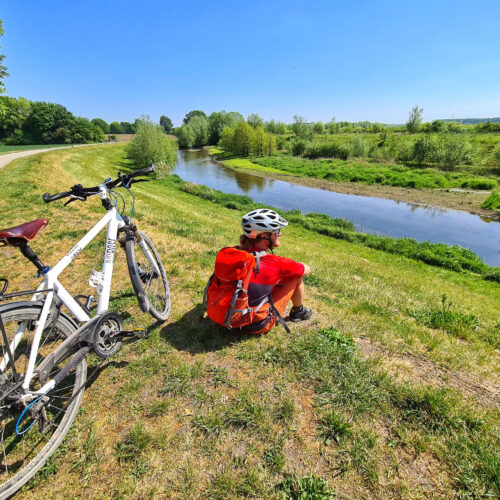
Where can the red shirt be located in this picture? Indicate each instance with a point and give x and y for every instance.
(273, 268)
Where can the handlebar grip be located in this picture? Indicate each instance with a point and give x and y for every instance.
(144, 171)
(47, 198)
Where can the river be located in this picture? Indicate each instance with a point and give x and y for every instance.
(368, 214)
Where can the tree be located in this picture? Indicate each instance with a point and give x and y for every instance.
(130, 128)
(98, 122)
(3, 68)
(226, 139)
(199, 125)
(319, 128)
(13, 114)
(281, 128)
(259, 143)
(217, 121)
(300, 127)
(243, 139)
(194, 112)
(166, 123)
(185, 135)
(83, 131)
(115, 128)
(151, 145)
(254, 120)
(48, 122)
(414, 120)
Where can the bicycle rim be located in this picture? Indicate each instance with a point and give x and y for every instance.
(21, 456)
(151, 288)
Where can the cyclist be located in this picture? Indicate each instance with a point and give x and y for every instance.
(280, 276)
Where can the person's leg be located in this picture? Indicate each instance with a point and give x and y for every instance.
(286, 290)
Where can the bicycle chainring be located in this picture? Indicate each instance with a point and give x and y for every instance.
(104, 338)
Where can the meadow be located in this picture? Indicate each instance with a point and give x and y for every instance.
(390, 391)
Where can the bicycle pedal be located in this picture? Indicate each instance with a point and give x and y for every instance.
(141, 333)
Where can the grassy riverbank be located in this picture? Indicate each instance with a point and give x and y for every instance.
(390, 391)
(454, 190)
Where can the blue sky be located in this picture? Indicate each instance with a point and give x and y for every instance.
(357, 60)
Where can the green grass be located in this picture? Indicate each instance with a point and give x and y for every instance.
(200, 412)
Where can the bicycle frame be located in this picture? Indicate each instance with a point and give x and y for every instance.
(51, 285)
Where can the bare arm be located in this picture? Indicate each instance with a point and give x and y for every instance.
(307, 269)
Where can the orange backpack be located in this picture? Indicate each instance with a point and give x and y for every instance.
(226, 297)
(226, 294)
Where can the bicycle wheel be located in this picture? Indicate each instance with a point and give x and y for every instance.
(21, 456)
(150, 284)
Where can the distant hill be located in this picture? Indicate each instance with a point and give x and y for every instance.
(472, 121)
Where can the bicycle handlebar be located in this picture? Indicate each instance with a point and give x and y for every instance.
(79, 192)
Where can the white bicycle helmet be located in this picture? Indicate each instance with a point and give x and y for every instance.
(261, 220)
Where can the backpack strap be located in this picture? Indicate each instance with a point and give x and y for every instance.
(257, 256)
(277, 315)
(205, 293)
(232, 308)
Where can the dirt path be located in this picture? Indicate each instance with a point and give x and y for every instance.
(7, 158)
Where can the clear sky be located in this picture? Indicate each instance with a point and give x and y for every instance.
(354, 60)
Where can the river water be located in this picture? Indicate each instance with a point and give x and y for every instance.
(370, 215)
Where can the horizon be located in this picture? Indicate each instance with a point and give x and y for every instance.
(119, 60)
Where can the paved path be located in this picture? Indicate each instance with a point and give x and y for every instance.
(6, 159)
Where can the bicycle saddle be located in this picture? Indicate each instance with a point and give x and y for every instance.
(27, 231)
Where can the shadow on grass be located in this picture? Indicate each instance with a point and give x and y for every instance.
(195, 334)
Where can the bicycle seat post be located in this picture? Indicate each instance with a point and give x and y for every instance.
(28, 252)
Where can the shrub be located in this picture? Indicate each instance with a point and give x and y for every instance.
(298, 147)
(492, 202)
(151, 145)
(359, 146)
(327, 150)
(493, 274)
(485, 184)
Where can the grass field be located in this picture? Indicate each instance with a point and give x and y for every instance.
(390, 391)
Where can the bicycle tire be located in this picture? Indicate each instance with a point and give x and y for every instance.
(152, 291)
(27, 454)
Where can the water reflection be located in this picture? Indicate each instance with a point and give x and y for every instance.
(371, 215)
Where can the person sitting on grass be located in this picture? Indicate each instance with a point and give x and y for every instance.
(279, 276)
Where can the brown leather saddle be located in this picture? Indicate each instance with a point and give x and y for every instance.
(27, 231)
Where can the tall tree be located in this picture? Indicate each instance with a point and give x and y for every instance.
(194, 112)
(255, 120)
(167, 124)
(199, 125)
(414, 120)
(115, 128)
(99, 122)
(3, 68)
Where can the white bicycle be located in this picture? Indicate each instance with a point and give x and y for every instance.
(43, 366)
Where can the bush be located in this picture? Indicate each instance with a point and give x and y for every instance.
(151, 145)
(492, 202)
(298, 147)
(485, 184)
(327, 150)
(359, 146)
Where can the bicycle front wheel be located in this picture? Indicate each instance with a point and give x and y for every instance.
(24, 449)
(148, 276)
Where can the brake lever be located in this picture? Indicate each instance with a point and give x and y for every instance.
(133, 181)
(75, 198)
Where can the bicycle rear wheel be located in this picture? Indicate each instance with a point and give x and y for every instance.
(148, 277)
(21, 456)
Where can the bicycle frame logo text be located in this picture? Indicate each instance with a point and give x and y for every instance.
(110, 250)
